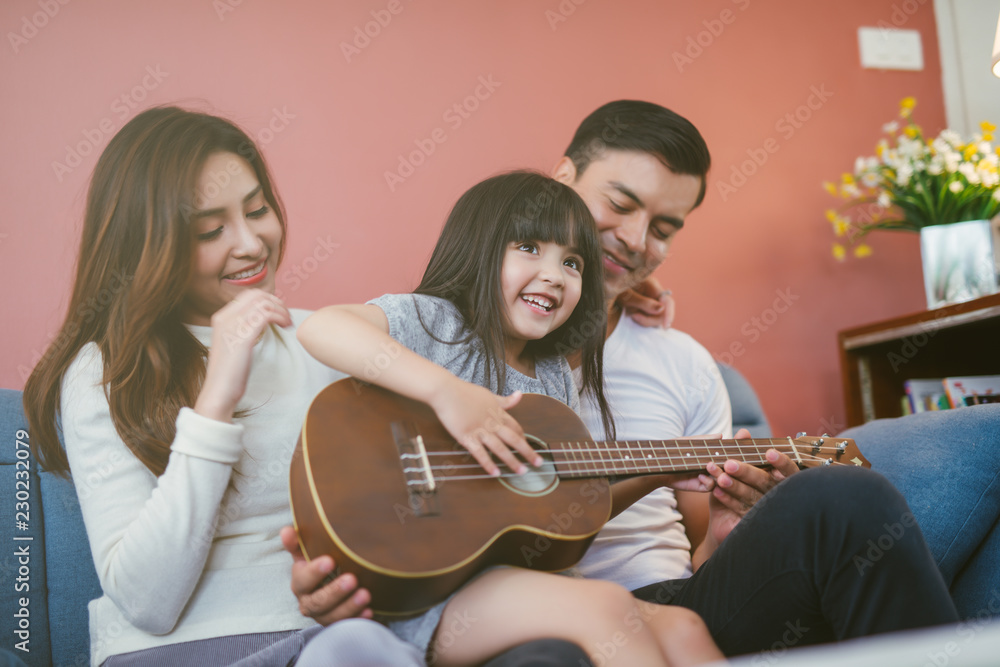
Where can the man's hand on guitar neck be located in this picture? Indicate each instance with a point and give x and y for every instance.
(738, 487)
(324, 600)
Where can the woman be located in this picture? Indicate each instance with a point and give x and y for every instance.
(180, 403)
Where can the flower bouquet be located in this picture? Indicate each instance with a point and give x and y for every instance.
(920, 185)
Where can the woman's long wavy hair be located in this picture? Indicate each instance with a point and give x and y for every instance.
(466, 264)
(131, 277)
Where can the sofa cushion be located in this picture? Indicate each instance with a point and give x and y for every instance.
(947, 464)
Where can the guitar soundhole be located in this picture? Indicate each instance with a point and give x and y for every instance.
(537, 481)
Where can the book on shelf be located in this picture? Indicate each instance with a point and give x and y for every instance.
(972, 390)
(925, 394)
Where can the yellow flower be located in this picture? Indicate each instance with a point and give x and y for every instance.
(839, 252)
(840, 226)
(863, 250)
(911, 131)
(906, 106)
(969, 152)
(831, 215)
(987, 137)
(830, 187)
(987, 127)
(847, 179)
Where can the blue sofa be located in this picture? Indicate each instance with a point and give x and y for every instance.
(61, 580)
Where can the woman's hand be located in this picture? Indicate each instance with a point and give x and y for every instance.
(478, 419)
(235, 330)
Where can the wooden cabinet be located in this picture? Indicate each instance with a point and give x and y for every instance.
(875, 359)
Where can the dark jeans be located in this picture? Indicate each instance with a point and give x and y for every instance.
(829, 554)
(543, 653)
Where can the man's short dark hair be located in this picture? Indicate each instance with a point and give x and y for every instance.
(632, 125)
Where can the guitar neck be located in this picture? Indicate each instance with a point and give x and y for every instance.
(646, 457)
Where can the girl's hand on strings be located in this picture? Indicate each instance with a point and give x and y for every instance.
(478, 420)
(236, 328)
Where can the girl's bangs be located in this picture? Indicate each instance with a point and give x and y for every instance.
(547, 222)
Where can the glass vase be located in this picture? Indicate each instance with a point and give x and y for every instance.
(961, 261)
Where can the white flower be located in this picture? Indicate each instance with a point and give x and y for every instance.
(956, 186)
(968, 170)
(951, 137)
(904, 174)
(890, 128)
(883, 200)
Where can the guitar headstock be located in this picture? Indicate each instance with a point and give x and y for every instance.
(824, 450)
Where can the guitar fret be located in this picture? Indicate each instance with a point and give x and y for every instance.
(649, 457)
(618, 457)
(642, 457)
(603, 461)
(573, 468)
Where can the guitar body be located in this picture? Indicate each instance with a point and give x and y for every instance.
(356, 499)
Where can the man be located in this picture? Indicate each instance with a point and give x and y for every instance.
(788, 563)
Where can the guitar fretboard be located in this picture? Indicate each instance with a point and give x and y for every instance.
(642, 457)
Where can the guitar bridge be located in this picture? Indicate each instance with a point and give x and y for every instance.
(421, 487)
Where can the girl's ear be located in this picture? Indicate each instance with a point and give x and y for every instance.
(564, 171)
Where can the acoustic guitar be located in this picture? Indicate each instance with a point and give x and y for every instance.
(378, 484)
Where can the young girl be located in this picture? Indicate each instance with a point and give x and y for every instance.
(180, 399)
(514, 284)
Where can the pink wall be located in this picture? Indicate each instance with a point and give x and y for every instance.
(332, 128)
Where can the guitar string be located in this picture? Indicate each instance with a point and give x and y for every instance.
(569, 464)
(717, 445)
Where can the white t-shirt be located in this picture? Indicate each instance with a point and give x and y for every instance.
(660, 384)
(188, 555)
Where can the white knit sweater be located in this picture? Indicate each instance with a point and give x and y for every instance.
(188, 556)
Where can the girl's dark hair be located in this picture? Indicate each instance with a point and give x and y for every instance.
(466, 263)
(135, 259)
